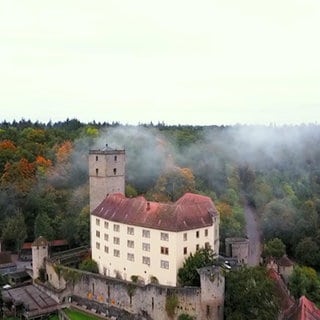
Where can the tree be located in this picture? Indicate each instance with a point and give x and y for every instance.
(8, 153)
(131, 191)
(250, 295)
(274, 248)
(305, 281)
(15, 231)
(89, 265)
(19, 174)
(231, 221)
(42, 226)
(187, 274)
(278, 220)
(307, 251)
(174, 184)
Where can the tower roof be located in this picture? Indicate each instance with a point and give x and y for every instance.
(284, 261)
(107, 150)
(191, 211)
(40, 241)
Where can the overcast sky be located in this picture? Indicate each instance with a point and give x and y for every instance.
(181, 62)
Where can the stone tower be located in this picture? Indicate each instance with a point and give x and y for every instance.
(212, 292)
(106, 174)
(39, 253)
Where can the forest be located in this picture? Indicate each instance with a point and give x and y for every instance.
(275, 169)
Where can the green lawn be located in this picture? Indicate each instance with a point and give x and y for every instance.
(78, 315)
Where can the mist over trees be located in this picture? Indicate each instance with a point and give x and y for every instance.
(44, 176)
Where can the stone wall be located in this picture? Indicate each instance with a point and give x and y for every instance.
(238, 248)
(149, 301)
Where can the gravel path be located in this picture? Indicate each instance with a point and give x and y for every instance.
(253, 233)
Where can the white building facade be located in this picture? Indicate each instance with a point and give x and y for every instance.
(134, 237)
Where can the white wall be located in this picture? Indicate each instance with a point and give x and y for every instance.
(109, 264)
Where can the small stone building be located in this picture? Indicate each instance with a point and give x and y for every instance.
(238, 248)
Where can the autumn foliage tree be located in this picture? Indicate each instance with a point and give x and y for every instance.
(8, 152)
(19, 174)
(174, 184)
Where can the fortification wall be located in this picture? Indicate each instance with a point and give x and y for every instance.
(149, 301)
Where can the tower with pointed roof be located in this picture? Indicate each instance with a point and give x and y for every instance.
(106, 174)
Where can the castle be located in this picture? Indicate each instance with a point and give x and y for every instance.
(133, 237)
(139, 247)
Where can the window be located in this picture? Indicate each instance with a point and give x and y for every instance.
(130, 243)
(116, 240)
(115, 158)
(206, 232)
(207, 245)
(130, 230)
(98, 245)
(164, 236)
(97, 234)
(97, 171)
(106, 224)
(146, 260)
(164, 250)
(115, 171)
(116, 228)
(146, 233)
(116, 253)
(197, 247)
(146, 246)
(185, 237)
(98, 222)
(106, 249)
(106, 237)
(164, 264)
(185, 250)
(97, 158)
(197, 234)
(130, 256)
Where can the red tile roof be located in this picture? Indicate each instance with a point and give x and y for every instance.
(59, 242)
(53, 243)
(191, 211)
(27, 245)
(305, 310)
(285, 300)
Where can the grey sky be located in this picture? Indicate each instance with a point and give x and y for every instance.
(194, 62)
